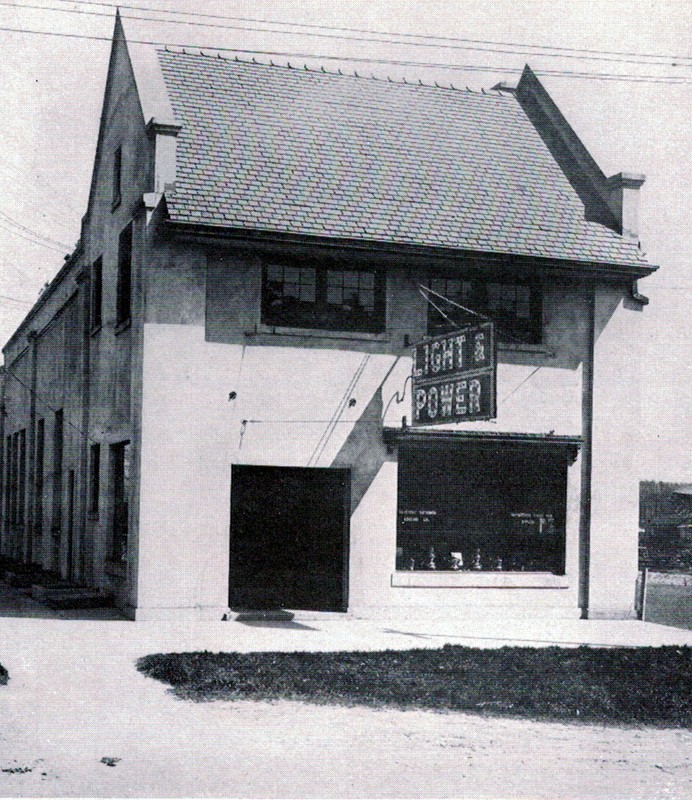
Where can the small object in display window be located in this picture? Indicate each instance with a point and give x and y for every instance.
(430, 560)
(412, 563)
(498, 565)
(456, 560)
(477, 560)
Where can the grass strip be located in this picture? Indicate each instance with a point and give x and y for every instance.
(645, 685)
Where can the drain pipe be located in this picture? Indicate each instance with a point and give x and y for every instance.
(587, 432)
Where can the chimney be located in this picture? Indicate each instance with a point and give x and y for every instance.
(623, 195)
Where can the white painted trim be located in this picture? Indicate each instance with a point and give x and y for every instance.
(479, 580)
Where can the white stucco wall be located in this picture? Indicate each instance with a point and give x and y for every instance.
(615, 473)
(291, 409)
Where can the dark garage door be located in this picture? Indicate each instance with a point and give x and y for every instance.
(289, 538)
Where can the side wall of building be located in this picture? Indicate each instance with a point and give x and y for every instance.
(72, 380)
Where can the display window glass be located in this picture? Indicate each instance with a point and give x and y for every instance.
(481, 507)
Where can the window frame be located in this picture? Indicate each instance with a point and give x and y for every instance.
(123, 304)
(96, 295)
(58, 459)
(117, 178)
(39, 477)
(94, 477)
(120, 487)
(318, 314)
(509, 327)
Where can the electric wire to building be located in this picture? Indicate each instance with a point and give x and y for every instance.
(408, 39)
(628, 78)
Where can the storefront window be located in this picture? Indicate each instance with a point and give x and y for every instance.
(481, 507)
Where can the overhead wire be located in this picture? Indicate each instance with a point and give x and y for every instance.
(33, 241)
(388, 38)
(627, 78)
(16, 300)
(38, 180)
(13, 222)
(45, 403)
(374, 32)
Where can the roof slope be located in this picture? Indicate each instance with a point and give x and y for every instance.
(289, 150)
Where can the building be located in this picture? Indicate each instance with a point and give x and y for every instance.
(665, 526)
(205, 409)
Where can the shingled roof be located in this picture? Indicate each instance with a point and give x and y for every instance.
(271, 148)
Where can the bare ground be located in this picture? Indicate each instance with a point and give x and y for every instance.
(77, 719)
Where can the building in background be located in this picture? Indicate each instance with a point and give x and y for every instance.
(665, 521)
(210, 406)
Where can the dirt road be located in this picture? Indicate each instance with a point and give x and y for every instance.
(77, 719)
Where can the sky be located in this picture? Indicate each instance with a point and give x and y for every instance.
(52, 90)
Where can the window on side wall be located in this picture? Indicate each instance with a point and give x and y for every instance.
(117, 178)
(124, 288)
(94, 477)
(516, 307)
(96, 295)
(120, 494)
(307, 296)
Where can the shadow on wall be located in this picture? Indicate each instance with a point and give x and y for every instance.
(364, 450)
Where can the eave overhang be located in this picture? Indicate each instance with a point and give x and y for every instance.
(257, 238)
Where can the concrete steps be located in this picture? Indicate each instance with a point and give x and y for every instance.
(67, 596)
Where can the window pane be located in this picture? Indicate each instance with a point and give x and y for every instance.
(330, 299)
(508, 294)
(453, 288)
(509, 518)
(523, 302)
(494, 295)
(334, 295)
(307, 293)
(368, 299)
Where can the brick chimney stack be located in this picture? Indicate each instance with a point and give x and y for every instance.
(623, 190)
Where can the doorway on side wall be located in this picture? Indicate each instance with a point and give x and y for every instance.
(289, 538)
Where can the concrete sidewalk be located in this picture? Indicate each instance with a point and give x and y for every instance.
(22, 619)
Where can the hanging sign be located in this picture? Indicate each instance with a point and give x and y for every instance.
(454, 377)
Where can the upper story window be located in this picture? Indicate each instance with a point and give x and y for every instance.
(96, 294)
(117, 177)
(298, 296)
(516, 307)
(124, 289)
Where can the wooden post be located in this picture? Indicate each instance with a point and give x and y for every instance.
(642, 594)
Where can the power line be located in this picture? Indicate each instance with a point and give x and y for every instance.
(47, 239)
(33, 241)
(46, 404)
(430, 37)
(39, 180)
(668, 80)
(16, 300)
(342, 37)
